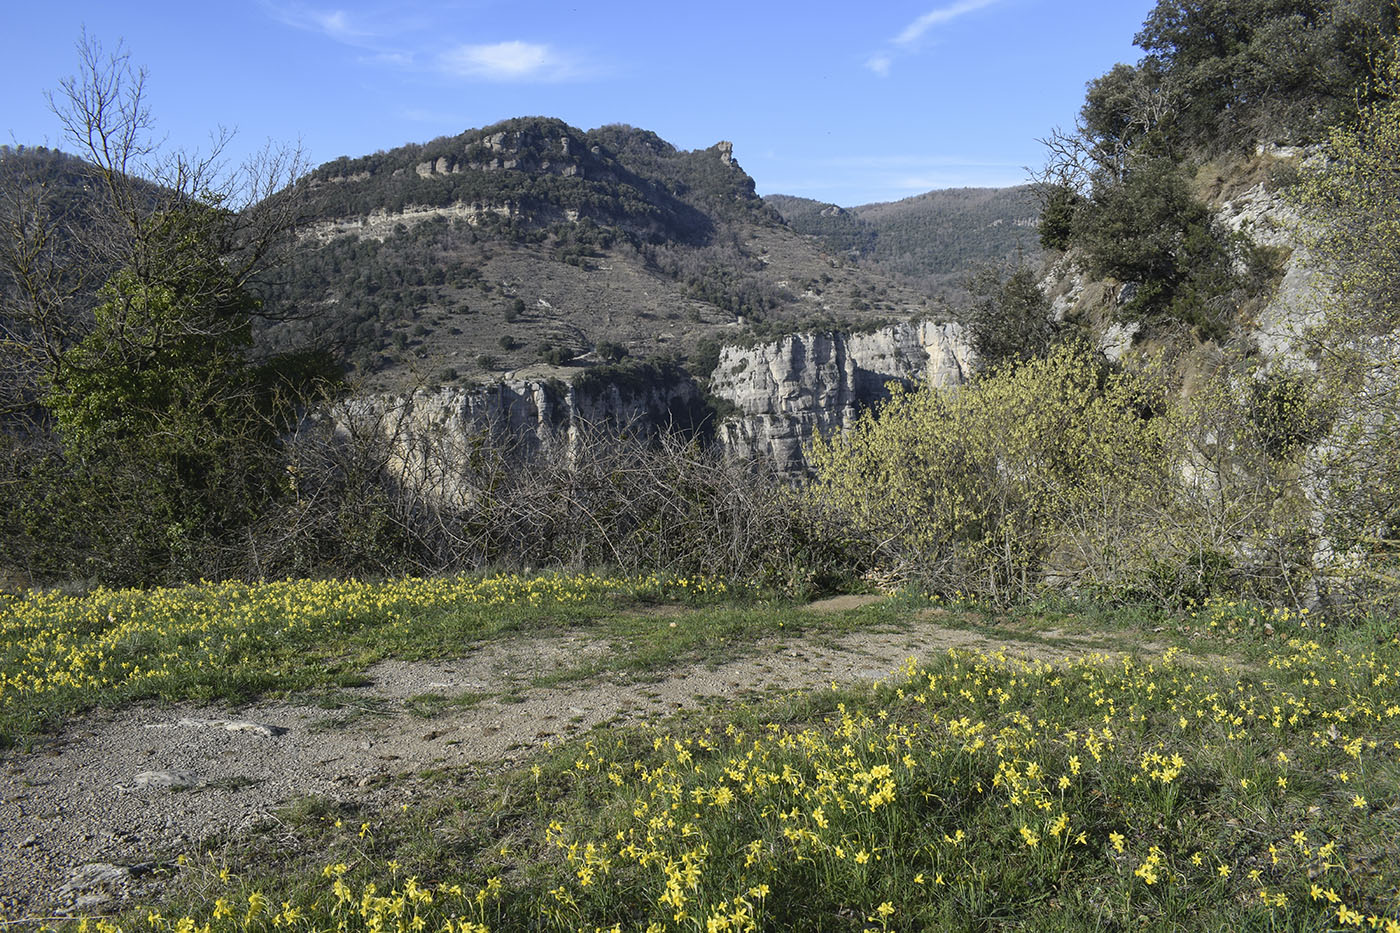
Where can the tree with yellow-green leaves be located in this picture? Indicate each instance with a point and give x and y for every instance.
(1069, 473)
(1046, 467)
(1351, 200)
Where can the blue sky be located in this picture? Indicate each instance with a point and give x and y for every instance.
(846, 102)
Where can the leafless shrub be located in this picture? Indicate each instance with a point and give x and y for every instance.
(372, 494)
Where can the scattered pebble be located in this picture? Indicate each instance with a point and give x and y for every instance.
(235, 725)
(171, 779)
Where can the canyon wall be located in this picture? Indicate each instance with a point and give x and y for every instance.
(774, 396)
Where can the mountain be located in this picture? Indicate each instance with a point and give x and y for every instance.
(930, 241)
(68, 179)
(532, 248)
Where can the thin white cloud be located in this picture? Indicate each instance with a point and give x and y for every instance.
(333, 24)
(401, 36)
(510, 61)
(915, 30)
(881, 62)
(390, 59)
(382, 33)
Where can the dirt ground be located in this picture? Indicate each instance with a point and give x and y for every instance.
(86, 816)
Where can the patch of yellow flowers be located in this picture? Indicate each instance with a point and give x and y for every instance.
(1109, 787)
(138, 640)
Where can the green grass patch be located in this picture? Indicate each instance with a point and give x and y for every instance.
(235, 643)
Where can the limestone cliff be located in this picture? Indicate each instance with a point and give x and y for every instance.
(431, 433)
(782, 393)
(1299, 300)
(789, 390)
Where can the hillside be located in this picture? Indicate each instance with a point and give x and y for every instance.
(930, 240)
(531, 245)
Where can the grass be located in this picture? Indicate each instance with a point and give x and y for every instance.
(1243, 778)
(975, 792)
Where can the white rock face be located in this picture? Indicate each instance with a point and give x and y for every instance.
(1117, 339)
(785, 391)
(789, 390)
(431, 436)
(1300, 302)
(379, 225)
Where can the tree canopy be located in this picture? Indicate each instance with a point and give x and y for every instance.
(140, 429)
(1239, 71)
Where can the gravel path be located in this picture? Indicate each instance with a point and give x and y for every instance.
(88, 818)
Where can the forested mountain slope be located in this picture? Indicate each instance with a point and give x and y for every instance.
(932, 239)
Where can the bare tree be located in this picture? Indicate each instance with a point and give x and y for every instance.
(1070, 162)
(58, 251)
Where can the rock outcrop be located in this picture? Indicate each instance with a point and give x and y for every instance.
(1279, 322)
(431, 434)
(782, 394)
(1299, 302)
(380, 225)
(789, 390)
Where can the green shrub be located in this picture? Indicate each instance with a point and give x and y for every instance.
(1056, 226)
(987, 487)
(1010, 318)
(1149, 230)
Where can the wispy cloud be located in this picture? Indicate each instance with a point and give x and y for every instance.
(510, 61)
(333, 24)
(390, 59)
(383, 34)
(405, 37)
(915, 30)
(881, 62)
